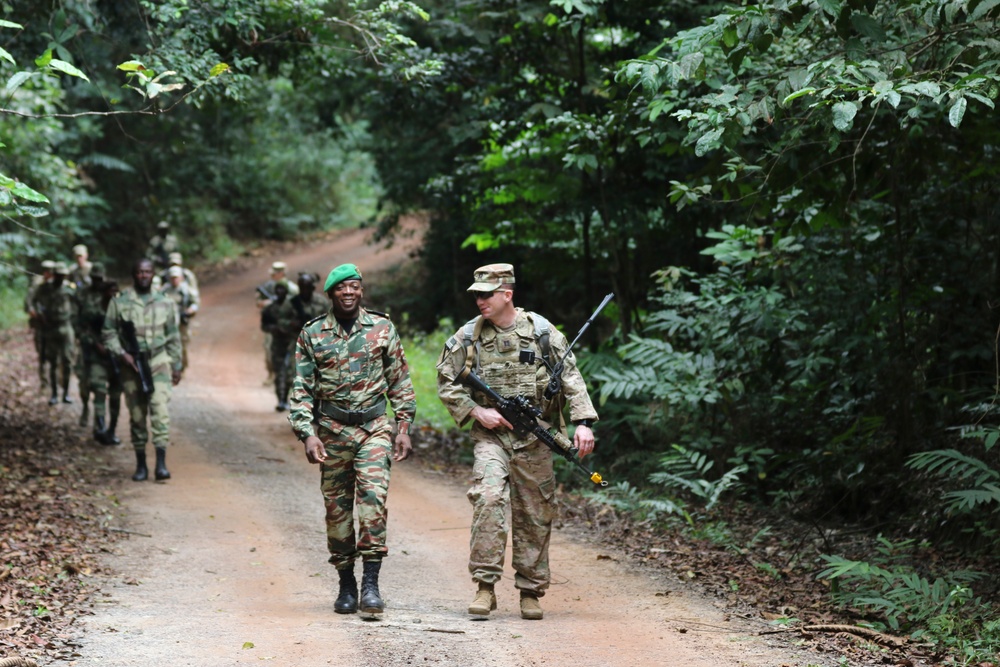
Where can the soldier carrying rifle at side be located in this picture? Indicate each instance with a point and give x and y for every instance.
(141, 328)
(510, 350)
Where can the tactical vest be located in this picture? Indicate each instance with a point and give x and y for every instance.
(497, 361)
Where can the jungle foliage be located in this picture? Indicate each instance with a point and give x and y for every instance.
(794, 202)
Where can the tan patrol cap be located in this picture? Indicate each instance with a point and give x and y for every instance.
(278, 266)
(79, 250)
(60, 269)
(175, 271)
(492, 277)
(163, 224)
(175, 258)
(48, 264)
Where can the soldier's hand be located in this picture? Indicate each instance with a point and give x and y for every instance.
(401, 448)
(175, 377)
(583, 440)
(315, 451)
(489, 417)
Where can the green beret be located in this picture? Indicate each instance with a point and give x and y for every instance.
(340, 274)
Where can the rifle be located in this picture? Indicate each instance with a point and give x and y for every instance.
(141, 358)
(555, 380)
(264, 293)
(523, 416)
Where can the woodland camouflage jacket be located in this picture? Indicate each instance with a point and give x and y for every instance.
(155, 319)
(352, 371)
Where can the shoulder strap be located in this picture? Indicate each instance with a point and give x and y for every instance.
(470, 335)
(542, 329)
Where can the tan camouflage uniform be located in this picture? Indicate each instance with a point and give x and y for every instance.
(188, 301)
(355, 372)
(155, 319)
(510, 474)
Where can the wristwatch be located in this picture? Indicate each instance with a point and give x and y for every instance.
(584, 422)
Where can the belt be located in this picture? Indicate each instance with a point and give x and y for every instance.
(352, 417)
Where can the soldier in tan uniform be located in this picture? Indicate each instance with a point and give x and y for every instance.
(80, 273)
(505, 346)
(34, 317)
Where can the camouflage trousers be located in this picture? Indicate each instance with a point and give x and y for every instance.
(105, 385)
(184, 328)
(283, 365)
(60, 350)
(355, 476)
(518, 482)
(155, 407)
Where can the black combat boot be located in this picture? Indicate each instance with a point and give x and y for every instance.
(85, 413)
(141, 472)
(109, 436)
(100, 430)
(53, 377)
(161, 471)
(347, 598)
(371, 601)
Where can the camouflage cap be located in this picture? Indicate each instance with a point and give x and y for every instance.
(163, 224)
(79, 250)
(60, 269)
(174, 271)
(278, 266)
(175, 258)
(97, 269)
(492, 277)
(48, 264)
(340, 274)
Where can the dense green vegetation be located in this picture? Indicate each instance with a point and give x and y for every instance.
(793, 202)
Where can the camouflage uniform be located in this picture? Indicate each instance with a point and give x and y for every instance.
(57, 306)
(155, 319)
(80, 275)
(281, 321)
(188, 301)
(352, 371)
(101, 377)
(35, 321)
(510, 472)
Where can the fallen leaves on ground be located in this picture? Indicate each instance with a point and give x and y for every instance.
(54, 508)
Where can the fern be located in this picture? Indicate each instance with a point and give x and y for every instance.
(107, 162)
(965, 469)
(686, 469)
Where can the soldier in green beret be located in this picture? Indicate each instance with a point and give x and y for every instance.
(348, 362)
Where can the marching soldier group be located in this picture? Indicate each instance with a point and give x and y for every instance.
(285, 307)
(80, 320)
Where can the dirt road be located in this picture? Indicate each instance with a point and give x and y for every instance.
(226, 562)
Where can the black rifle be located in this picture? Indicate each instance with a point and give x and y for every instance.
(264, 293)
(555, 380)
(524, 417)
(141, 358)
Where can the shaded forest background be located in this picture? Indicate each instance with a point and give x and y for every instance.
(794, 203)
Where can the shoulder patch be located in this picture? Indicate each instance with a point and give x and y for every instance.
(314, 320)
(375, 312)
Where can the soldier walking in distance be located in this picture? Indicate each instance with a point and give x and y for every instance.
(87, 328)
(80, 274)
(188, 301)
(35, 319)
(348, 362)
(161, 245)
(281, 321)
(56, 305)
(265, 295)
(505, 347)
(154, 318)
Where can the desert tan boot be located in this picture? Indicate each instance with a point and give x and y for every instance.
(485, 602)
(530, 609)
